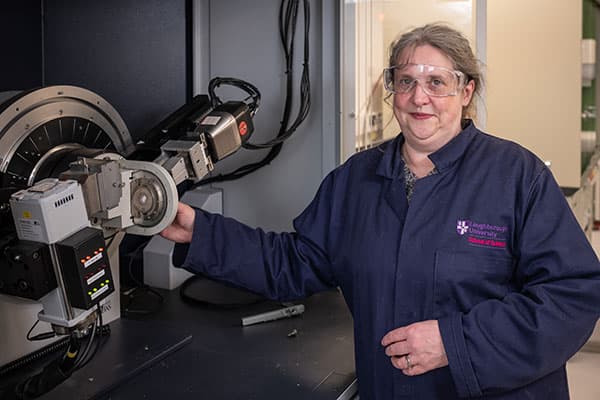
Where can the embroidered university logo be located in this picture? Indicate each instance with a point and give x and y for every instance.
(482, 234)
(462, 227)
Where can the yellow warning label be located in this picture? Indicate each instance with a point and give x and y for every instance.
(26, 214)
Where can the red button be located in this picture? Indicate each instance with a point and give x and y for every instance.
(243, 127)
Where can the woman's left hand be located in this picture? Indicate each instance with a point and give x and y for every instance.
(416, 348)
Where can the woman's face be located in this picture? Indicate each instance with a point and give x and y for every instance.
(429, 122)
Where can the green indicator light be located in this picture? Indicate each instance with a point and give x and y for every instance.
(107, 281)
(95, 290)
(90, 293)
(102, 284)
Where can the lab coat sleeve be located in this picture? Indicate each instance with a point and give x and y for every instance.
(500, 345)
(281, 266)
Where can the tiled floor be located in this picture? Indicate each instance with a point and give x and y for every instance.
(584, 368)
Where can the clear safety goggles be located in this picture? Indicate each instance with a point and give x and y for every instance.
(435, 81)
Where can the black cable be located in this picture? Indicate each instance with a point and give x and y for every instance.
(288, 12)
(60, 368)
(132, 255)
(186, 297)
(238, 83)
(53, 374)
(131, 294)
(39, 336)
(99, 335)
(69, 359)
(84, 354)
(127, 308)
(34, 386)
(242, 171)
(304, 108)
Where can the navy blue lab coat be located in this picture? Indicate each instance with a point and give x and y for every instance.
(488, 247)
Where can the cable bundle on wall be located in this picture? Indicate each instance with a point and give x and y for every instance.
(288, 17)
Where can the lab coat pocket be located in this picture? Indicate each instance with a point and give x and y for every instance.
(463, 280)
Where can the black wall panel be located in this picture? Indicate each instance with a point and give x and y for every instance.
(132, 53)
(21, 45)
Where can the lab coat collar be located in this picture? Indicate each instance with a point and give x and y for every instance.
(391, 164)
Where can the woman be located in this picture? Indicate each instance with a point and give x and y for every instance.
(465, 271)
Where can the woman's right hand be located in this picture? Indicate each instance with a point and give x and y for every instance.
(182, 228)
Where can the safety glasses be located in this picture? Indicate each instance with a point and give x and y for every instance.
(435, 81)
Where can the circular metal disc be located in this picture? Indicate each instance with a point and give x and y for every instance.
(153, 197)
(49, 120)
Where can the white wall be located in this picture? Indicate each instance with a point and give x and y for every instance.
(534, 79)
